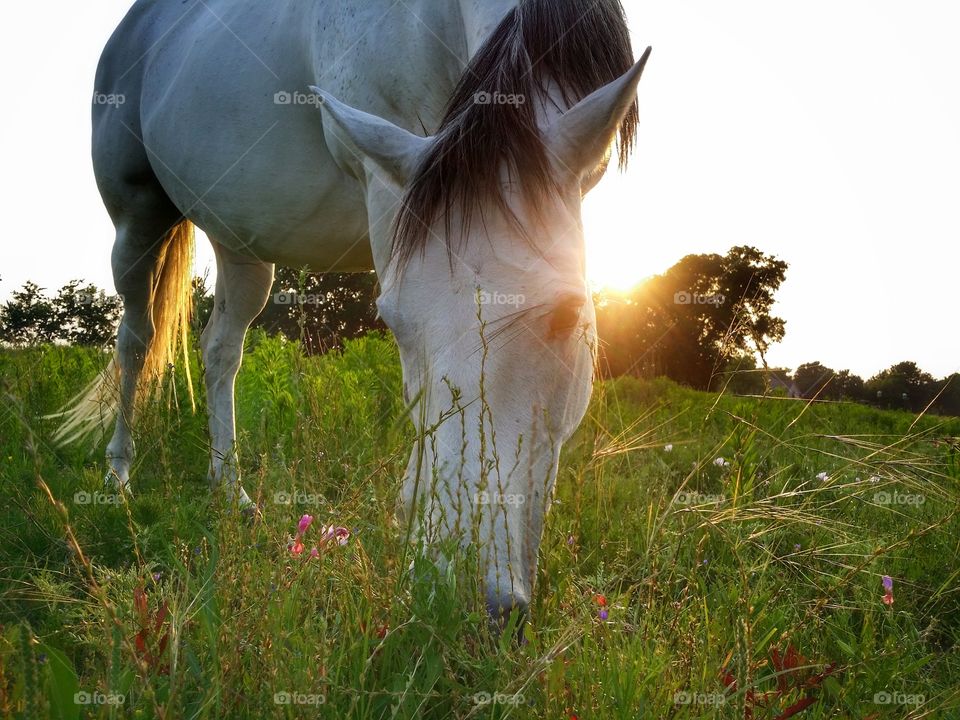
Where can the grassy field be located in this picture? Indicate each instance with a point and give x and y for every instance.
(672, 583)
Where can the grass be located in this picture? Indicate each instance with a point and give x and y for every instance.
(750, 589)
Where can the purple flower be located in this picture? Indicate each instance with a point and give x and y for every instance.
(604, 614)
(887, 583)
(304, 524)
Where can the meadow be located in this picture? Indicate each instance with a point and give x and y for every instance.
(707, 556)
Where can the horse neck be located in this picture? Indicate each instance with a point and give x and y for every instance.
(480, 18)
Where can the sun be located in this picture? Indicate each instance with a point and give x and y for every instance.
(611, 266)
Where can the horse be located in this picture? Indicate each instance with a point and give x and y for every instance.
(445, 144)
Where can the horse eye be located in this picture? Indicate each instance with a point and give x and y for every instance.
(566, 315)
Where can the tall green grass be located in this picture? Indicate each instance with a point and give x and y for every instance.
(734, 589)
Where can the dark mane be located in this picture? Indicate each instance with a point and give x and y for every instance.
(580, 45)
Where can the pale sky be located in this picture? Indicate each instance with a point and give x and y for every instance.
(826, 133)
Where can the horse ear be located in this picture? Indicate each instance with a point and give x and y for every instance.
(394, 150)
(579, 140)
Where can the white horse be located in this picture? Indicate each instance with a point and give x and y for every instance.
(299, 132)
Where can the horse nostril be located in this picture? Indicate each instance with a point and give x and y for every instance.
(566, 315)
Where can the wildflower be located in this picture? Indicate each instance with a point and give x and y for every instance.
(156, 577)
(314, 553)
(604, 614)
(874, 479)
(823, 477)
(296, 547)
(571, 541)
(340, 534)
(796, 548)
(888, 590)
(304, 524)
(720, 462)
(668, 447)
(601, 600)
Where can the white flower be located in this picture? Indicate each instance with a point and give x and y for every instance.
(668, 447)
(823, 477)
(720, 462)
(874, 479)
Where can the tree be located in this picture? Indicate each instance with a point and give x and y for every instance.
(86, 315)
(948, 389)
(813, 379)
(902, 386)
(691, 321)
(28, 318)
(79, 314)
(322, 309)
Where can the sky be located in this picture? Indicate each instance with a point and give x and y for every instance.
(825, 133)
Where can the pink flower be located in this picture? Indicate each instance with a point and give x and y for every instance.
(340, 534)
(304, 524)
(296, 547)
(314, 553)
(888, 590)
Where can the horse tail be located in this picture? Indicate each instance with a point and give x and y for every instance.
(171, 305)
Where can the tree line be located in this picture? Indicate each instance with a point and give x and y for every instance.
(707, 322)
